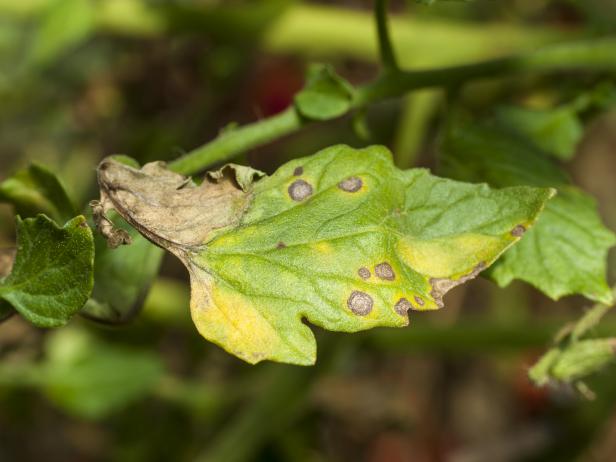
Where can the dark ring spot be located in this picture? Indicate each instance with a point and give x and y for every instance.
(518, 231)
(384, 271)
(419, 300)
(351, 184)
(360, 303)
(402, 306)
(363, 272)
(281, 245)
(299, 190)
(298, 171)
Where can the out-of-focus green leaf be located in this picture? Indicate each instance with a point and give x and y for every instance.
(37, 190)
(326, 94)
(575, 361)
(556, 131)
(91, 379)
(51, 278)
(64, 24)
(7, 256)
(122, 277)
(343, 239)
(565, 253)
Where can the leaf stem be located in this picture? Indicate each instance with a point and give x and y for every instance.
(591, 318)
(595, 55)
(388, 58)
(235, 141)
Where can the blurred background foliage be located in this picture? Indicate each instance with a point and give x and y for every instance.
(82, 79)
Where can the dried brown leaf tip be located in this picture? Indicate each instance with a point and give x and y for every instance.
(115, 236)
(168, 208)
(440, 286)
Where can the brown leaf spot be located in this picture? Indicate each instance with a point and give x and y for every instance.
(300, 190)
(402, 306)
(281, 245)
(360, 303)
(518, 231)
(419, 300)
(440, 286)
(363, 272)
(384, 271)
(298, 171)
(351, 184)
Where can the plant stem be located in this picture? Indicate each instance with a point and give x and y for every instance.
(591, 318)
(388, 58)
(577, 56)
(583, 55)
(235, 141)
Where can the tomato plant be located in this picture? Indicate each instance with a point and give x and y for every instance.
(345, 239)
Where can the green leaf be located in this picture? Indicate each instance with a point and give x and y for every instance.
(51, 278)
(343, 239)
(7, 256)
(122, 277)
(64, 24)
(556, 131)
(575, 361)
(326, 94)
(37, 190)
(90, 378)
(566, 252)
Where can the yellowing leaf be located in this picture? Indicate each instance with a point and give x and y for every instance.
(342, 239)
(566, 253)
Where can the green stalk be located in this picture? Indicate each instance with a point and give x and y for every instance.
(235, 141)
(388, 58)
(594, 55)
(577, 56)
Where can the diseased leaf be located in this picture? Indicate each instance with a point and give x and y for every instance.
(556, 131)
(342, 239)
(566, 252)
(326, 94)
(51, 278)
(37, 190)
(122, 277)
